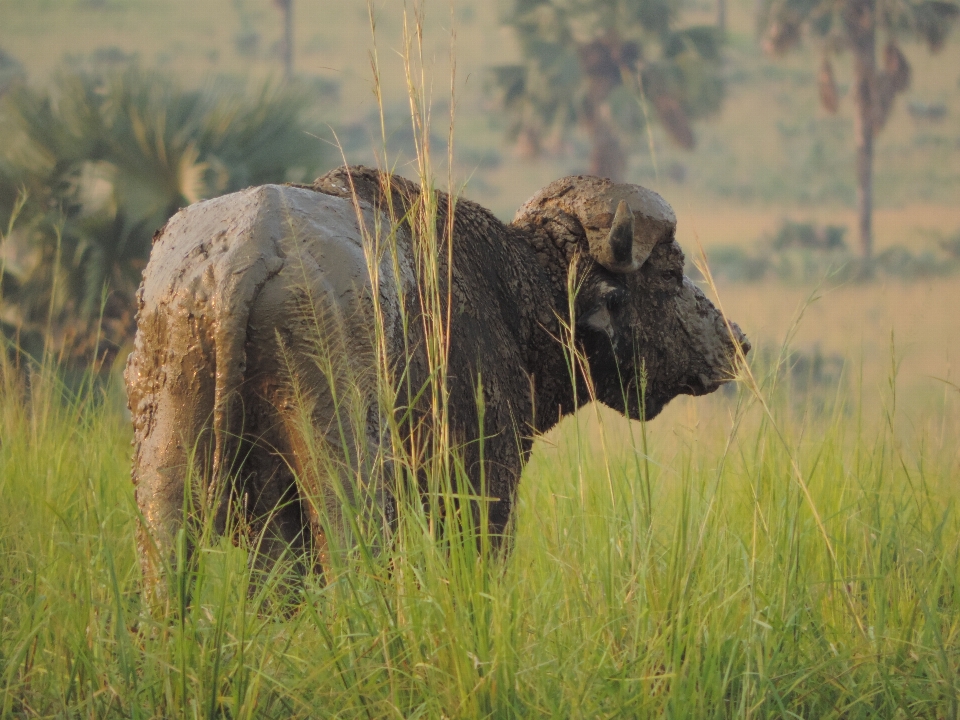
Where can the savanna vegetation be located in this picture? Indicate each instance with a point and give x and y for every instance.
(859, 26)
(598, 65)
(787, 547)
(776, 553)
(96, 162)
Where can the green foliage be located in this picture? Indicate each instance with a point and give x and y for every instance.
(835, 25)
(103, 157)
(733, 263)
(809, 236)
(860, 25)
(930, 20)
(577, 56)
(951, 246)
(783, 21)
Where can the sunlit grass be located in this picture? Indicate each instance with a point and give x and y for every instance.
(726, 604)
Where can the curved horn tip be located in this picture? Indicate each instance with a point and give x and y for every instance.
(616, 250)
(623, 214)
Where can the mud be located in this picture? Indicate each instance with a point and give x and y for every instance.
(256, 332)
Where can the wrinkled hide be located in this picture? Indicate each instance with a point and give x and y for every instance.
(245, 293)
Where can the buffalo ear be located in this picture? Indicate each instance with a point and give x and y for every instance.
(598, 319)
(600, 315)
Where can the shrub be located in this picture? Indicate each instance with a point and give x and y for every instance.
(103, 157)
(951, 246)
(736, 264)
(809, 236)
(808, 253)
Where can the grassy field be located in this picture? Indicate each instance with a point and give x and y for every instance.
(801, 562)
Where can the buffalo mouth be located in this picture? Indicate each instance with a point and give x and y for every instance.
(698, 389)
(704, 386)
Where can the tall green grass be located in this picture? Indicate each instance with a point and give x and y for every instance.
(724, 602)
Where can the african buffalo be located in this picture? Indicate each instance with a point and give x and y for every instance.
(243, 291)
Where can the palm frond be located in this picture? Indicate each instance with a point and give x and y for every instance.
(581, 55)
(106, 156)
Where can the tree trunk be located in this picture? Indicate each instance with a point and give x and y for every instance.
(722, 16)
(859, 18)
(286, 42)
(863, 131)
(607, 158)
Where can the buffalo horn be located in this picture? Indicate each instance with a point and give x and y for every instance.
(616, 250)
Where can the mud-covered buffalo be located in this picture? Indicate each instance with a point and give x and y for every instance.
(264, 313)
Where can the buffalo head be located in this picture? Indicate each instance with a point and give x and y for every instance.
(636, 313)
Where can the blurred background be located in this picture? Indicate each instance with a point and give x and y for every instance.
(811, 149)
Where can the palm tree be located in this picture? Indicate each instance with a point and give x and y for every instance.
(587, 62)
(860, 26)
(104, 158)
